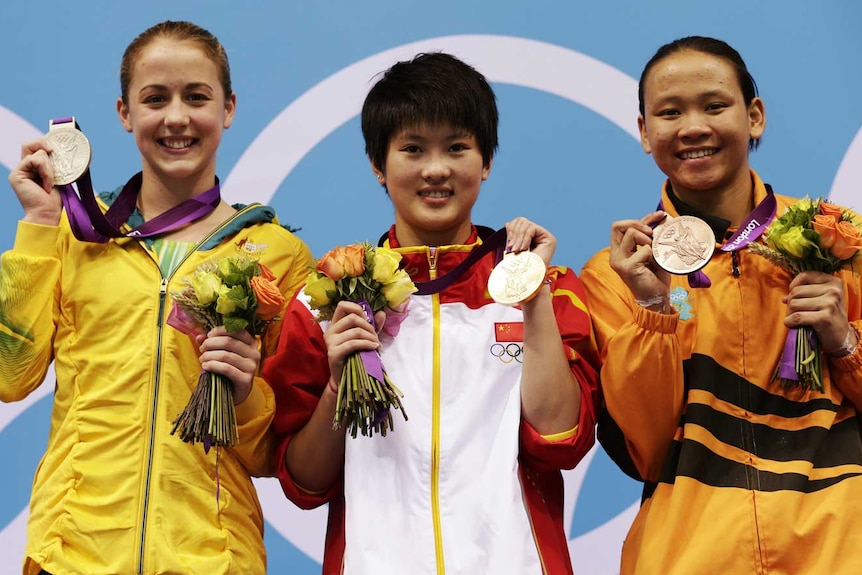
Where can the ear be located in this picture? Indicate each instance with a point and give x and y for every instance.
(644, 139)
(229, 110)
(378, 173)
(486, 170)
(123, 113)
(756, 119)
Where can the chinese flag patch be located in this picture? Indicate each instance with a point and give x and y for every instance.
(509, 331)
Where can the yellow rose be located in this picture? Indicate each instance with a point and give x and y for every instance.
(792, 242)
(385, 264)
(206, 286)
(399, 289)
(319, 288)
(848, 241)
(224, 303)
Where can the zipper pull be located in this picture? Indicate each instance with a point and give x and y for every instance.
(432, 258)
(734, 257)
(163, 289)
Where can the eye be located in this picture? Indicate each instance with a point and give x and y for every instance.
(198, 97)
(411, 149)
(458, 147)
(668, 112)
(154, 99)
(716, 106)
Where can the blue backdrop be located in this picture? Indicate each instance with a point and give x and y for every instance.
(565, 75)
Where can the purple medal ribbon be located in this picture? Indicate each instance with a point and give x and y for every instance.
(495, 241)
(755, 224)
(90, 224)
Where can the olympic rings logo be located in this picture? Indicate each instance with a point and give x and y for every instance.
(508, 353)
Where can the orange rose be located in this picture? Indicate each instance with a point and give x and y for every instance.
(352, 258)
(331, 265)
(848, 241)
(830, 209)
(269, 299)
(265, 272)
(825, 226)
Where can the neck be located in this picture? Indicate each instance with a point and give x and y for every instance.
(732, 203)
(158, 195)
(408, 236)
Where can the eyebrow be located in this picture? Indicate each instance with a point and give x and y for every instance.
(190, 86)
(416, 136)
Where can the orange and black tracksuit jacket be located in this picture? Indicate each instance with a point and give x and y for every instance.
(741, 475)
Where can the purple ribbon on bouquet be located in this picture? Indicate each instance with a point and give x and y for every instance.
(787, 364)
(754, 225)
(371, 359)
(90, 224)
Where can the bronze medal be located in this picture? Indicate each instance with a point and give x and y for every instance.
(71, 155)
(682, 245)
(517, 278)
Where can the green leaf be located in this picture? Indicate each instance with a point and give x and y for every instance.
(234, 324)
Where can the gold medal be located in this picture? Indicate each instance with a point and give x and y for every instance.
(517, 278)
(682, 245)
(71, 155)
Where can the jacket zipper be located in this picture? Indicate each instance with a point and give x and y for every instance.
(163, 290)
(435, 419)
(734, 258)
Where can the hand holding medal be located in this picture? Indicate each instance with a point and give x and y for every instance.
(520, 274)
(70, 155)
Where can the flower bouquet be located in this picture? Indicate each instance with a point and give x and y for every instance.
(370, 277)
(812, 235)
(238, 293)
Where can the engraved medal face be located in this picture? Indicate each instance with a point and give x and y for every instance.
(682, 245)
(71, 155)
(517, 278)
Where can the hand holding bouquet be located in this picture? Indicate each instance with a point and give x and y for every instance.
(370, 277)
(238, 293)
(810, 236)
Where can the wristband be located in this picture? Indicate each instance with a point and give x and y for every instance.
(847, 348)
(332, 386)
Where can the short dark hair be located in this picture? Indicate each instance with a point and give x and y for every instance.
(711, 46)
(433, 88)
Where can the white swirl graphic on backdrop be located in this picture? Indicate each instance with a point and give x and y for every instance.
(324, 108)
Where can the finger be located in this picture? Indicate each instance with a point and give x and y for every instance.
(630, 241)
(379, 320)
(34, 146)
(815, 278)
(621, 228)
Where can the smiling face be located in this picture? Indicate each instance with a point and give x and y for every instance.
(433, 175)
(697, 126)
(177, 109)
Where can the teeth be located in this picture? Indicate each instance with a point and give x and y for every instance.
(435, 194)
(698, 154)
(178, 144)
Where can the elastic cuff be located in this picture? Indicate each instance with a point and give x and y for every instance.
(36, 239)
(655, 321)
(253, 406)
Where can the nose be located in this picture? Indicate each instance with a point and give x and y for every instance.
(436, 168)
(694, 126)
(176, 113)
